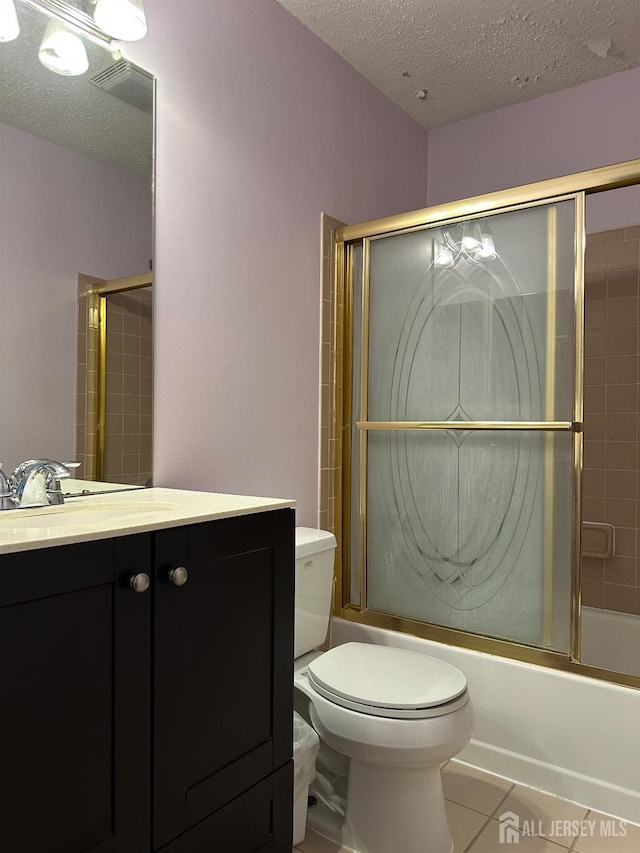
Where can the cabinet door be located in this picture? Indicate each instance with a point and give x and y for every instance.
(258, 821)
(67, 743)
(223, 667)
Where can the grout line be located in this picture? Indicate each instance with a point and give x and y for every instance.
(573, 844)
(468, 808)
(467, 849)
(575, 840)
(503, 799)
(488, 820)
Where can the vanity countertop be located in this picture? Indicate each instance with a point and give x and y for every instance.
(103, 516)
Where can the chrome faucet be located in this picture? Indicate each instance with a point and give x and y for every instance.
(35, 482)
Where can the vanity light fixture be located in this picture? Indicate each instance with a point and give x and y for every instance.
(62, 51)
(122, 19)
(9, 26)
(475, 243)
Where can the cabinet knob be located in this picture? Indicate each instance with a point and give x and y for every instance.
(140, 582)
(179, 576)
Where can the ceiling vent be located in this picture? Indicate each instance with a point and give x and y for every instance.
(126, 81)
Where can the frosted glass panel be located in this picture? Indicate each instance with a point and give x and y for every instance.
(462, 329)
(472, 530)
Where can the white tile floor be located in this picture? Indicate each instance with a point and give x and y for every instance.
(476, 799)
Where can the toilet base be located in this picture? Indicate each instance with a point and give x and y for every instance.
(391, 809)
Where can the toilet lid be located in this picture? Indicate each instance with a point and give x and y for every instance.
(385, 678)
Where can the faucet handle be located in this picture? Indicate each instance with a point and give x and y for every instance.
(59, 470)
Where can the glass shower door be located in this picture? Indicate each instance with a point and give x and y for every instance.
(465, 450)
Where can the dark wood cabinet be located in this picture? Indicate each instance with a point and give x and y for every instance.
(223, 666)
(75, 699)
(134, 722)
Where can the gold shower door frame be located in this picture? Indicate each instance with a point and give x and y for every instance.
(572, 187)
(97, 292)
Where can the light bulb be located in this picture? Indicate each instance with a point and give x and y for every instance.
(471, 237)
(442, 254)
(9, 26)
(444, 258)
(62, 51)
(488, 249)
(121, 19)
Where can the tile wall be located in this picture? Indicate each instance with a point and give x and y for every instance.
(329, 344)
(329, 507)
(611, 461)
(129, 389)
(86, 378)
(128, 436)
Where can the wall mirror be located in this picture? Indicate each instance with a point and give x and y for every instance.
(76, 169)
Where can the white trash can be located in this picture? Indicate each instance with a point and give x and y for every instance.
(306, 744)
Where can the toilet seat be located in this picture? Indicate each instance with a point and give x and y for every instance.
(387, 682)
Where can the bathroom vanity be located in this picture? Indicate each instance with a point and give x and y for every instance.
(146, 646)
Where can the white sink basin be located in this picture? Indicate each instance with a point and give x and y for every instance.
(85, 514)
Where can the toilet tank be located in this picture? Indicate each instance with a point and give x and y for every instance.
(315, 551)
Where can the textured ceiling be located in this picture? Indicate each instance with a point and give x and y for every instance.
(70, 111)
(447, 60)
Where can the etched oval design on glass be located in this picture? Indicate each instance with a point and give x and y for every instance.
(467, 499)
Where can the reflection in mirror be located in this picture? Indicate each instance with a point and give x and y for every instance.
(76, 209)
(114, 379)
(610, 589)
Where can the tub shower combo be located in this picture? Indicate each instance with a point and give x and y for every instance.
(459, 417)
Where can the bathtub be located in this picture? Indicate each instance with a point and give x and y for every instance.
(572, 736)
(611, 640)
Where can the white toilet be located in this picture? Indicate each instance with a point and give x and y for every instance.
(397, 715)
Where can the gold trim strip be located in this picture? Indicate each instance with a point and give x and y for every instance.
(512, 208)
(591, 181)
(487, 645)
(549, 410)
(344, 293)
(578, 413)
(101, 402)
(129, 282)
(364, 381)
(339, 371)
(557, 426)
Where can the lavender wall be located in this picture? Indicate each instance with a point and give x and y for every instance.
(60, 214)
(260, 127)
(591, 125)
